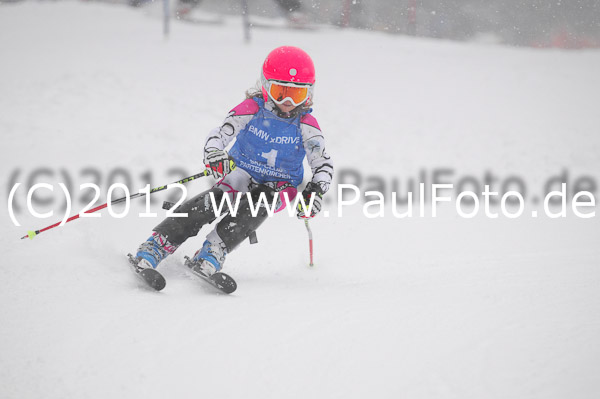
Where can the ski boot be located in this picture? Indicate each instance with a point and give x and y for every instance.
(152, 251)
(208, 262)
(210, 258)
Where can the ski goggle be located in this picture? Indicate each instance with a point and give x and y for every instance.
(281, 92)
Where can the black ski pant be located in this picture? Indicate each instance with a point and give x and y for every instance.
(233, 230)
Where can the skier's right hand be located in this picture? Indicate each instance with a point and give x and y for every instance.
(218, 163)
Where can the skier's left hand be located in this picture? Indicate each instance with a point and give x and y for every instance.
(311, 190)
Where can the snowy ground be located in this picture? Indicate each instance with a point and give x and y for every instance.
(420, 308)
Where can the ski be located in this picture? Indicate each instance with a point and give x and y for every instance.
(151, 277)
(223, 282)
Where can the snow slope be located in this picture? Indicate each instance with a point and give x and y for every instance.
(420, 308)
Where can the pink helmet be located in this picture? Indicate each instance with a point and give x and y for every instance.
(288, 64)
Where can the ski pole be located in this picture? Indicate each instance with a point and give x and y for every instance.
(310, 242)
(33, 233)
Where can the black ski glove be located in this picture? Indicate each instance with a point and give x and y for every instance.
(218, 163)
(311, 190)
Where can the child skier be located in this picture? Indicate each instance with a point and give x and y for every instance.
(273, 132)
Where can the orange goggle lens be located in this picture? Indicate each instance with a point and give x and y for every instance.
(279, 93)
